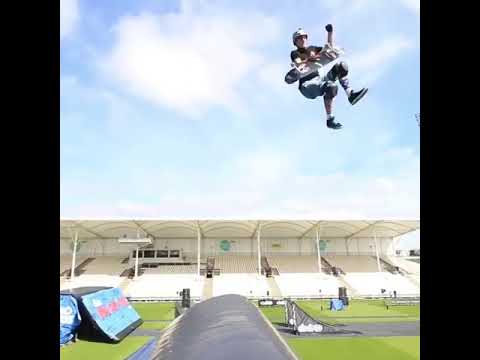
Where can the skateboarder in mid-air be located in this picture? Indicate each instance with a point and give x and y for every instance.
(313, 84)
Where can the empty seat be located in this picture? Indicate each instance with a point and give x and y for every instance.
(294, 263)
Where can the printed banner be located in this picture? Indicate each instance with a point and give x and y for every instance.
(110, 310)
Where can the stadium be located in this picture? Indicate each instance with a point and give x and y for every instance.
(270, 288)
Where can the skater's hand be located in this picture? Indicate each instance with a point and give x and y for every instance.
(303, 67)
(329, 28)
(315, 57)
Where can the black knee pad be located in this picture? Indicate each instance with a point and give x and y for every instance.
(340, 70)
(331, 90)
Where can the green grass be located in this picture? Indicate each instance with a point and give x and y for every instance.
(155, 311)
(82, 350)
(359, 348)
(276, 314)
(359, 311)
(154, 325)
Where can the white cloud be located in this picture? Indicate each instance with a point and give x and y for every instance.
(69, 15)
(188, 62)
(348, 5)
(372, 62)
(413, 5)
(268, 185)
(377, 55)
(262, 168)
(273, 75)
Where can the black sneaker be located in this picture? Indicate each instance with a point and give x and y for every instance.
(357, 95)
(333, 125)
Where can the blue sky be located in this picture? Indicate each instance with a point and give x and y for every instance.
(178, 109)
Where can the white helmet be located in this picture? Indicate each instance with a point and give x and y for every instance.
(299, 32)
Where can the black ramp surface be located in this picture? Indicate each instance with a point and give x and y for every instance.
(223, 327)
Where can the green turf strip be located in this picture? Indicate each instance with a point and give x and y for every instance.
(276, 314)
(82, 350)
(155, 311)
(359, 348)
(359, 311)
(154, 325)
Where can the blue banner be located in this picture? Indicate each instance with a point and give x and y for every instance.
(336, 305)
(110, 310)
(69, 318)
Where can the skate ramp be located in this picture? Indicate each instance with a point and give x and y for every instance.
(300, 322)
(222, 327)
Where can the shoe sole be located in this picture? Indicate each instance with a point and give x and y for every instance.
(360, 96)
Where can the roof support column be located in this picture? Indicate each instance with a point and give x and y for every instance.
(136, 263)
(74, 255)
(258, 249)
(136, 257)
(376, 249)
(318, 251)
(199, 238)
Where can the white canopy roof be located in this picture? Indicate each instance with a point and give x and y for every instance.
(171, 229)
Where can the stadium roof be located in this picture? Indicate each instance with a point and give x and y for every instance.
(171, 229)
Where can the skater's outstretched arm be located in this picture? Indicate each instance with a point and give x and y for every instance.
(329, 29)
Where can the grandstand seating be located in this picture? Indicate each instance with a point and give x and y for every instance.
(294, 263)
(172, 269)
(353, 263)
(297, 276)
(106, 265)
(236, 263)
